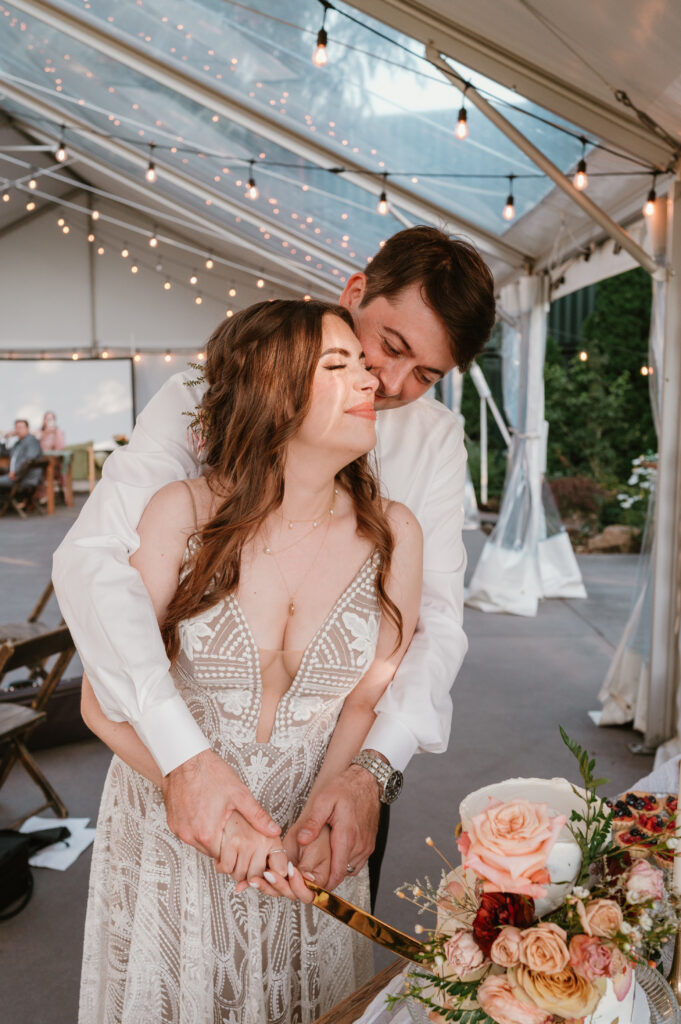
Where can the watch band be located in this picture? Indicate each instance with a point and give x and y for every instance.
(388, 778)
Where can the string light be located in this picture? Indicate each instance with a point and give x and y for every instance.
(320, 57)
(461, 130)
(583, 356)
(210, 263)
(260, 283)
(232, 292)
(134, 268)
(198, 300)
(153, 241)
(200, 356)
(75, 356)
(61, 222)
(100, 250)
(61, 154)
(150, 173)
(32, 184)
(167, 285)
(229, 314)
(105, 354)
(252, 189)
(5, 197)
(167, 358)
(509, 209)
(125, 252)
(30, 206)
(90, 237)
(581, 180)
(137, 358)
(95, 215)
(383, 200)
(66, 229)
(649, 208)
(194, 279)
(644, 371)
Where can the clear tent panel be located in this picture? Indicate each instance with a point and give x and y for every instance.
(377, 104)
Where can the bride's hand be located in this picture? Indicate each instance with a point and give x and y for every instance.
(315, 859)
(243, 850)
(280, 876)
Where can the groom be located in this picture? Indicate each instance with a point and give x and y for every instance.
(423, 305)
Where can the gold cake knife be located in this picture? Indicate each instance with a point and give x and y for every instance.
(371, 927)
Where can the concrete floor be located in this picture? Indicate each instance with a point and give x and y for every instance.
(521, 679)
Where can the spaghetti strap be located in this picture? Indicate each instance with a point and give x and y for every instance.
(191, 495)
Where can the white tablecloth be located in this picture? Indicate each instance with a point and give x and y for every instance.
(664, 779)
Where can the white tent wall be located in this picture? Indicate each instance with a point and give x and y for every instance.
(57, 293)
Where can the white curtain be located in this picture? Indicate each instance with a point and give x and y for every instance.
(452, 393)
(528, 556)
(625, 690)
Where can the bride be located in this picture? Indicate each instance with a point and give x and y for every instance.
(287, 591)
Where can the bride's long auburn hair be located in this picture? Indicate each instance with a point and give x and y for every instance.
(259, 367)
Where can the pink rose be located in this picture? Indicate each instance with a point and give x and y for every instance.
(543, 949)
(590, 958)
(504, 951)
(643, 882)
(601, 918)
(496, 999)
(509, 844)
(463, 953)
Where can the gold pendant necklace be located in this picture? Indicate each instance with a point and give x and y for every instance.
(267, 549)
(292, 596)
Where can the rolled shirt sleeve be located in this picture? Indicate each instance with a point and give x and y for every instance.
(102, 597)
(415, 713)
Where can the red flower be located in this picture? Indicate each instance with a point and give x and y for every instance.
(498, 909)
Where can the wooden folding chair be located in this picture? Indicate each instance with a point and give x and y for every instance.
(32, 627)
(17, 721)
(19, 489)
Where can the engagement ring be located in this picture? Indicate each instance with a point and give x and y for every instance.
(350, 869)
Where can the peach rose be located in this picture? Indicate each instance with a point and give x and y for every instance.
(601, 918)
(504, 951)
(590, 959)
(644, 882)
(463, 953)
(564, 994)
(544, 949)
(497, 999)
(509, 844)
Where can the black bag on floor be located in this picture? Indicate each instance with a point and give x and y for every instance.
(16, 880)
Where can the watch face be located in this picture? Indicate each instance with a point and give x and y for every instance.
(392, 787)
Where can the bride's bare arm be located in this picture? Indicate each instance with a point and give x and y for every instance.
(118, 736)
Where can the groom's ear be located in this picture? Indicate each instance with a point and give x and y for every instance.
(354, 292)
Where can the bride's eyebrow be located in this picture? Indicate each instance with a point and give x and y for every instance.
(340, 352)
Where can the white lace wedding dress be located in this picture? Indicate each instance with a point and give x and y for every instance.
(167, 940)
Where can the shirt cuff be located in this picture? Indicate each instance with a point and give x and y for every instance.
(392, 739)
(170, 732)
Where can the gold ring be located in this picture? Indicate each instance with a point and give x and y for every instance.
(280, 850)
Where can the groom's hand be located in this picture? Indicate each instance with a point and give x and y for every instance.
(201, 794)
(350, 805)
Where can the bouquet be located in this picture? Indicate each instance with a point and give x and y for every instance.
(513, 944)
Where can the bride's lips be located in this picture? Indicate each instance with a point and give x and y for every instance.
(364, 410)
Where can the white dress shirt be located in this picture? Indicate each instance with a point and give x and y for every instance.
(421, 461)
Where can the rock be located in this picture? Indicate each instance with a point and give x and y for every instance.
(615, 538)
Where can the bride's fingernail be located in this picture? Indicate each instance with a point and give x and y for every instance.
(253, 885)
(270, 877)
(291, 870)
(308, 874)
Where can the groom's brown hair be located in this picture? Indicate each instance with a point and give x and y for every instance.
(455, 282)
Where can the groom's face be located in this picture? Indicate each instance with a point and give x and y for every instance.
(405, 342)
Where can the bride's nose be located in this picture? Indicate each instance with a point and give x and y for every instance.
(368, 382)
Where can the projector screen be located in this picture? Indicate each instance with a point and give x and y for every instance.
(92, 398)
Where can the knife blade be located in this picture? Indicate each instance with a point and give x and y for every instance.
(364, 923)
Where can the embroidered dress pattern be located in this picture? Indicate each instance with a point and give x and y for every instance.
(167, 939)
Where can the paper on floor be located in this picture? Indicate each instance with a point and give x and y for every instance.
(62, 855)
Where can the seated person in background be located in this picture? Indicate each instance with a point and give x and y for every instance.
(52, 437)
(26, 449)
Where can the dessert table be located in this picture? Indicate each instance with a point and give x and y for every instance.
(367, 1005)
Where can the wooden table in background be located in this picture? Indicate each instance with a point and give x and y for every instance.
(54, 460)
(352, 1008)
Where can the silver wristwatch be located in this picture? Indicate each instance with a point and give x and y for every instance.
(389, 779)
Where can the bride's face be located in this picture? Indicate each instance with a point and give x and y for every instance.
(341, 414)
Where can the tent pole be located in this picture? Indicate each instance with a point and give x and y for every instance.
(553, 172)
(664, 715)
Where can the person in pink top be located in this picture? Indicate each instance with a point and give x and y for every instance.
(52, 437)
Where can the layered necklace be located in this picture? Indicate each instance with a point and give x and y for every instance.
(324, 519)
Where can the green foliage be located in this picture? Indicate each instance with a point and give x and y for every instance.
(590, 829)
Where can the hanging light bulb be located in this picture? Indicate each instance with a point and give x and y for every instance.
(644, 371)
(61, 222)
(194, 279)
(61, 154)
(91, 237)
(125, 252)
(581, 180)
(461, 130)
(252, 188)
(153, 241)
(200, 356)
(150, 173)
(32, 184)
(5, 197)
(649, 208)
(105, 354)
(509, 209)
(260, 283)
(210, 263)
(167, 358)
(137, 358)
(134, 268)
(382, 204)
(167, 285)
(198, 300)
(95, 215)
(232, 292)
(66, 229)
(584, 356)
(30, 206)
(320, 57)
(75, 356)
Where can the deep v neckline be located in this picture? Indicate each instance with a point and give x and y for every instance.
(306, 650)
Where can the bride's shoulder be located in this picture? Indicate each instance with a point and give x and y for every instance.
(403, 523)
(177, 507)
